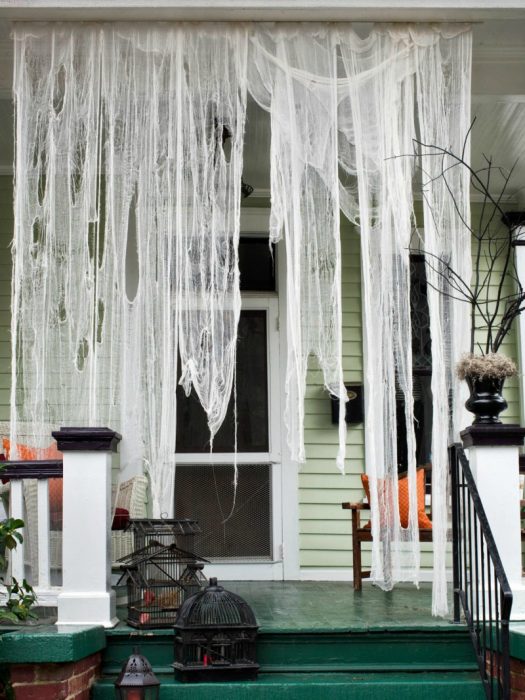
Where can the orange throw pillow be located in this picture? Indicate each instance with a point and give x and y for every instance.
(423, 520)
(55, 485)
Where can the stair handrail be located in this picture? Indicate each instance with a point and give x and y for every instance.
(481, 587)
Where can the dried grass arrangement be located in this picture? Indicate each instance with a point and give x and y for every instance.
(489, 366)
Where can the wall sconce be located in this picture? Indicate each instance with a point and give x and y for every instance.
(354, 406)
(137, 680)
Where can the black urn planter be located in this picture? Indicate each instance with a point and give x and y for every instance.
(485, 400)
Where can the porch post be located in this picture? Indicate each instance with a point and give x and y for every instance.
(86, 596)
(516, 221)
(493, 452)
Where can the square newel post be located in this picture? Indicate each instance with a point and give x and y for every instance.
(493, 452)
(516, 222)
(86, 597)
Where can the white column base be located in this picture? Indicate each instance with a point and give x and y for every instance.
(87, 609)
(517, 612)
(87, 597)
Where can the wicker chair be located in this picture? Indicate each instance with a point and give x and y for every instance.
(132, 495)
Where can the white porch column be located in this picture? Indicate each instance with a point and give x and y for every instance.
(516, 221)
(87, 597)
(493, 452)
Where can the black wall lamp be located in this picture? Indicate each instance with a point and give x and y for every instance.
(354, 406)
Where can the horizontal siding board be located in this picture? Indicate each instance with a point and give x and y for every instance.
(325, 559)
(330, 481)
(327, 527)
(317, 451)
(326, 542)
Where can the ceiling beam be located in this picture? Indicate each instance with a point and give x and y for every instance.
(275, 10)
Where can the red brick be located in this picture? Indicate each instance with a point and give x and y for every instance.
(41, 691)
(82, 695)
(517, 666)
(81, 682)
(22, 673)
(517, 681)
(517, 695)
(54, 672)
(84, 664)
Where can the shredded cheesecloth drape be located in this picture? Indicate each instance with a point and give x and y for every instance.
(127, 210)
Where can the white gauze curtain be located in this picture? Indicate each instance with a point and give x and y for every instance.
(405, 82)
(443, 100)
(293, 71)
(127, 223)
(332, 94)
(377, 124)
(120, 145)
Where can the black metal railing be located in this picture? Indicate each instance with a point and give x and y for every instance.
(481, 589)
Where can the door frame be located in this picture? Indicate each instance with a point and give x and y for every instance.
(253, 569)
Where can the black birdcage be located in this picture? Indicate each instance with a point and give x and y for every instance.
(215, 636)
(192, 579)
(155, 589)
(164, 531)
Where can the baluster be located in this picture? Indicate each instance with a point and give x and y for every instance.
(43, 534)
(16, 510)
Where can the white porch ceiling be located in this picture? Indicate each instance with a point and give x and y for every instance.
(273, 10)
(498, 87)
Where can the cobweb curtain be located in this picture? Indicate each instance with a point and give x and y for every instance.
(443, 101)
(377, 124)
(293, 71)
(405, 82)
(120, 132)
(120, 135)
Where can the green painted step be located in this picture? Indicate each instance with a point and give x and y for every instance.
(313, 686)
(418, 650)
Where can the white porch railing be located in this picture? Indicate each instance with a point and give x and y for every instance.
(34, 551)
(84, 544)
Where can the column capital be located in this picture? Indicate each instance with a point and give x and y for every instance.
(87, 439)
(502, 435)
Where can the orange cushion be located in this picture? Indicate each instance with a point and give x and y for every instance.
(55, 485)
(28, 453)
(423, 520)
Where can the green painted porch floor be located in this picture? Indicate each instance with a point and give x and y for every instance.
(311, 606)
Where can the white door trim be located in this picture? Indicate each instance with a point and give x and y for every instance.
(258, 570)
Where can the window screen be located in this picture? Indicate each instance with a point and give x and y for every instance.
(205, 492)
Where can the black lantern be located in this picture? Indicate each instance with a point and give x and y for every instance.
(215, 635)
(137, 680)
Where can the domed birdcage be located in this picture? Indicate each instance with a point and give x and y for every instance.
(215, 635)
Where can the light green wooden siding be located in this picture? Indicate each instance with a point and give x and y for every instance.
(6, 234)
(324, 527)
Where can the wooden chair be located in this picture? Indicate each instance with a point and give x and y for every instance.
(364, 534)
